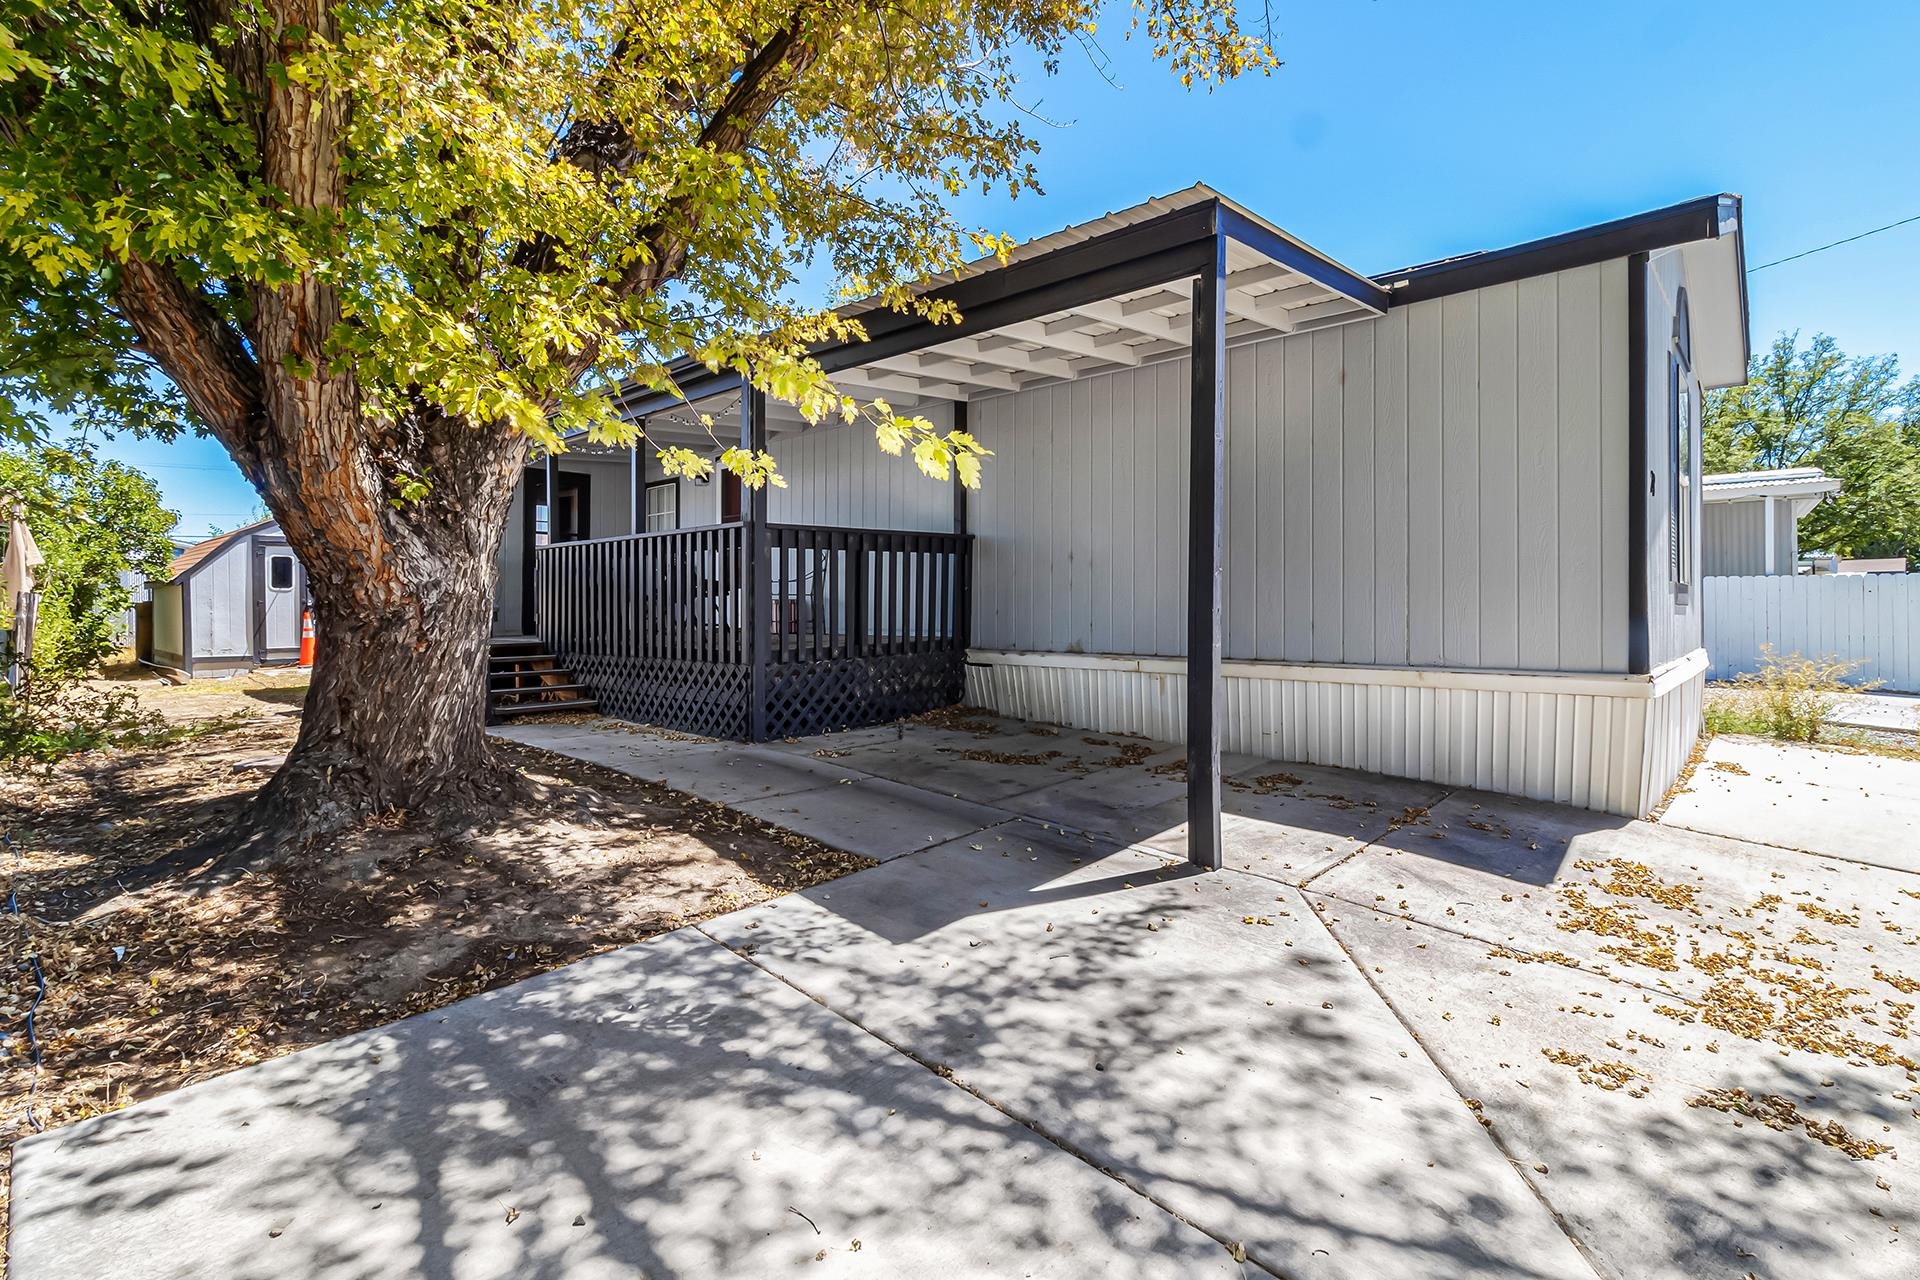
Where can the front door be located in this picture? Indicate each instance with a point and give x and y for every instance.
(279, 598)
(563, 521)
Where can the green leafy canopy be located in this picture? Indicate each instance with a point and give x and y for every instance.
(515, 207)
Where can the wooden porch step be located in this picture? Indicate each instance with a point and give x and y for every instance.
(524, 679)
(536, 689)
(494, 678)
(509, 710)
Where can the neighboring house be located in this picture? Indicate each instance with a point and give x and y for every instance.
(1751, 519)
(1443, 521)
(227, 604)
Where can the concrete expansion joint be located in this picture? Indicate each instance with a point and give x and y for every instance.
(1513, 1161)
(1234, 1247)
(1392, 827)
(1535, 957)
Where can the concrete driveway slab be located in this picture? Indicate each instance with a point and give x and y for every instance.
(830, 745)
(1863, 807)
(723, 772)
(1107, 795)
(663, 1110)
(1652, 904)
(1202, 1036)
(1291, 822)
(875, 817)
(1898, 712)
(987, 772)
(1654, 1185)
(631, 749)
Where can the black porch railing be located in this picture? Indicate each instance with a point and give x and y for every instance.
(859, 626)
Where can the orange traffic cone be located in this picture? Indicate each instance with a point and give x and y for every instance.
(306, 637)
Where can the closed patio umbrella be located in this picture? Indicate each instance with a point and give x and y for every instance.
(17, 577)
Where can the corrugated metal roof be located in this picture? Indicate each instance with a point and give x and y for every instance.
(1781, 480)
(1779, 475)
(199, 552)
(1117, 220)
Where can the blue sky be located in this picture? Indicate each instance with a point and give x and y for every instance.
(1404, 130)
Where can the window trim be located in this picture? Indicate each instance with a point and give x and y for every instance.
(274, 560)
(1682, 440)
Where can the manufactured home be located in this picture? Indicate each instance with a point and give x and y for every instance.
(1441, 522)
(229, 603)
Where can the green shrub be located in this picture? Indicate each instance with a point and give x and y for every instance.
(49, 717)
(1791, 698)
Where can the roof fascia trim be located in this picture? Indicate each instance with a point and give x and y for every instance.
(1704, 218)
(1168, 247)
(1238, 225)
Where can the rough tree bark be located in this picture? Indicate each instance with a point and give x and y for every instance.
(395, 717)
(402, 590)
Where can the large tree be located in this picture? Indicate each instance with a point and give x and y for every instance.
(1851, 416)
(381, 249)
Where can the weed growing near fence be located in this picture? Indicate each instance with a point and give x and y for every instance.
(1791, 698)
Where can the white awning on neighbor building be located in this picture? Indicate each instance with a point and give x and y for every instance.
(1806, 486)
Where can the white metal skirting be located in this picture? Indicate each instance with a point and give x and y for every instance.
(1607, 742)
(1869, 618)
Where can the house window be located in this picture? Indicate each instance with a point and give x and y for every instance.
(1680, 412)
(280, 572)
(663, 506)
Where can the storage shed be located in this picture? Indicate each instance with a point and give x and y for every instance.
(1751, 519)
(228, 604)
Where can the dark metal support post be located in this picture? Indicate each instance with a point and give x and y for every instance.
(959, 490)
(636, 485)
(963, 562)
(1206, 473)
(759, 582)
(553, 497)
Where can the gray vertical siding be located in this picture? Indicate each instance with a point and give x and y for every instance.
(1786, 537)
(1444, 486)
(837, 475)
(1733, 538)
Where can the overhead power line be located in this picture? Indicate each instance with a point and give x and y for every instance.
(1804, 253)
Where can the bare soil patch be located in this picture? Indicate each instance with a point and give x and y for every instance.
(175, 983)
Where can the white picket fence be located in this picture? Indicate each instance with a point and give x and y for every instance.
(1870, 618)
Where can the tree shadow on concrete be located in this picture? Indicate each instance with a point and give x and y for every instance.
(665, 1110)
(1200, 1035)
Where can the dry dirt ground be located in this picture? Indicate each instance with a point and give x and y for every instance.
(149, 991)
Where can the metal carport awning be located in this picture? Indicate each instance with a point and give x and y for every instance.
(1089, 299)
(1190, 274)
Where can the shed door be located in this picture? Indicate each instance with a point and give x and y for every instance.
(280, 598)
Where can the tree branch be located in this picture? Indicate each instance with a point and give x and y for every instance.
(767, 76)
(196, 348)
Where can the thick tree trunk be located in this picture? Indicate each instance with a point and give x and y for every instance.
(395, 716)
(403, 605)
